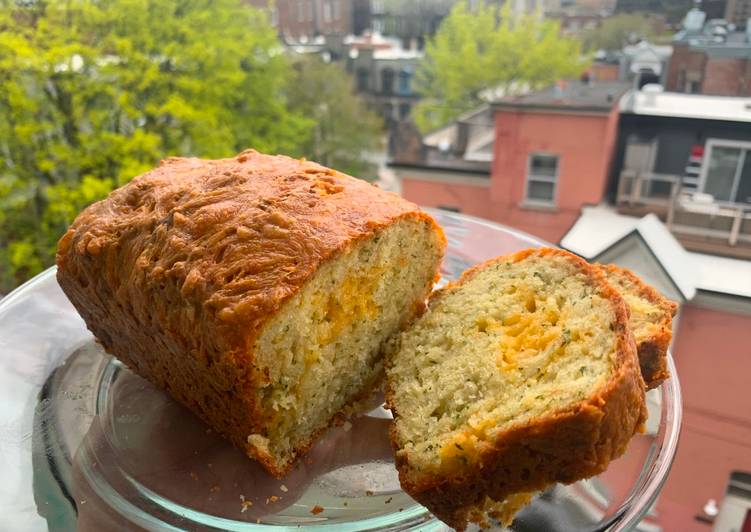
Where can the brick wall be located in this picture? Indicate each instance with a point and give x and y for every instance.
(685, 65)
(726, 77)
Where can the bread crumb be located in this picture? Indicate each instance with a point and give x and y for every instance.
(368, 493)
(283, 488)
(388, 500)
(347, 425)
(345, 503)
(244, 505)
(272, 499)
(316, 509)
(193, 475)
(215, 488)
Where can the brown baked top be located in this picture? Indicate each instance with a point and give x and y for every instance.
(215, 247)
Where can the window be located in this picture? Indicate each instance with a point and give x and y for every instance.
(726, 171)
(387, 81)
(542, 174)
(327, 11)
(300, 11)
(337, 9)
(363, 79)
(405, 79)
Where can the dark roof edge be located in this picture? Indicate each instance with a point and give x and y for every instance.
(739, 297)
(445, 169)
(600, 109)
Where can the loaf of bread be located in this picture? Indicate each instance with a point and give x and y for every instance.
(521, 374)
(651, 322)
(259, 291)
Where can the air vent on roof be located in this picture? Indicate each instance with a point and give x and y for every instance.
(694, 20)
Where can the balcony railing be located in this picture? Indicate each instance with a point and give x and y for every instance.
(691, 215)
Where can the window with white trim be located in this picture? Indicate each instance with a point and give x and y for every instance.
(726, 171)
(542, 177)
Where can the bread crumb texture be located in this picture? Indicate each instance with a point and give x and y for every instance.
(504, 385)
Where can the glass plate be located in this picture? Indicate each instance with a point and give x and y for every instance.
(84, 443)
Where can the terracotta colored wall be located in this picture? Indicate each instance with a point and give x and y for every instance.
(604, 72)
(725, 77)
(713, 357)
(584, 144)
(469, 199)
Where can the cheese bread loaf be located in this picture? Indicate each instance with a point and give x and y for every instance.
(521, 374)
(651, 322)
(259, 291)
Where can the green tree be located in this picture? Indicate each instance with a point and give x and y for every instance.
(486, 48)
(344, 130)
(93, 93)
(617, 31)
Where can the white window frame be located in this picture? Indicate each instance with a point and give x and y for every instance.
(543, 179)
(723, 143)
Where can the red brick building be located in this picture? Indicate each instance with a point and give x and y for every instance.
(550, 157)
(305, 19)
(711, 58)
(710, 70)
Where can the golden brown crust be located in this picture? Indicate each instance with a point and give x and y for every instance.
(177, 272)
(653, 351)
(563, 446)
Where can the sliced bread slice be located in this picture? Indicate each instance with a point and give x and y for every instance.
(521, 374)
(651, 322)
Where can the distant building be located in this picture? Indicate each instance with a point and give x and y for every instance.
(673, 10)
(736, 12)
(710, 58)
(304, 19)
(384, 75)
(411, 21)
(551, 151)
(450, 167)
(576, 20)
(361, 16)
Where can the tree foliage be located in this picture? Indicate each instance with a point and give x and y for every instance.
(487, 49)
(93, 93)
(344, 129)
(617, 31)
